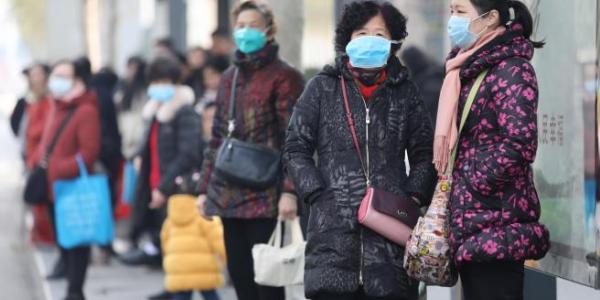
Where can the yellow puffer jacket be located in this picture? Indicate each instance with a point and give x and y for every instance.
(191, 246)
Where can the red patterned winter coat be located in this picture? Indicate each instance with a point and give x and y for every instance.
(267, 90)
(494, 205)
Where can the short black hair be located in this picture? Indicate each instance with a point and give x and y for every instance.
(221, 32)
(218, 63)
(45, 68)
(358, 13)
(164, 68)
(136, 59)
(165, 42)
(83, 69)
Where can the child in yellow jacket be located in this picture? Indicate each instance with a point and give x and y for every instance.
(191, 245)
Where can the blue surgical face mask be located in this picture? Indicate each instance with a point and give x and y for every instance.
(369, 52)
(458, 31)
(249, 40)
(161, 92)
(59, 86)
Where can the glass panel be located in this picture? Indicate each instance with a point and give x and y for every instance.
(566, 166)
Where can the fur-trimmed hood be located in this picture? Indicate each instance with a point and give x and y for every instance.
(165, 112)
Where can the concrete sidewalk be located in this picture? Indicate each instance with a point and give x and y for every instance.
(18, 277)
(112, 282)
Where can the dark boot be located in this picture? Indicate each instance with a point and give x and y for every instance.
(75, 297)
(138, 257)
(163, 295)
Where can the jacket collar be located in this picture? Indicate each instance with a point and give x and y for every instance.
(165, 112)
(257, 60)
(87, 98)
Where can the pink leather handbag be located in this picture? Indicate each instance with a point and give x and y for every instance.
(389, 215)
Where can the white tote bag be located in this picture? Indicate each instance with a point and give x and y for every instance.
(280, 266)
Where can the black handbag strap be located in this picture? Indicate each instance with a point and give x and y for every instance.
(232, 102)
(61, 128)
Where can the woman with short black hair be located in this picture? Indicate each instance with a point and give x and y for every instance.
(344, 259)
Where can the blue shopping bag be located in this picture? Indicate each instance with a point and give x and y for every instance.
(83, 210)
(129, 182)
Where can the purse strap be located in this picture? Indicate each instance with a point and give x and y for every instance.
(277, 237)
(350, 121)
(232, 102)
(465, 115)
(44, 162)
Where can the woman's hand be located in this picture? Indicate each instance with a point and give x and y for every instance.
(137, 164)
(201, 208)
(441, 152)
(158, 199)
(288, 207)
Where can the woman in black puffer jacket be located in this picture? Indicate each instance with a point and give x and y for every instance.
(345, 260)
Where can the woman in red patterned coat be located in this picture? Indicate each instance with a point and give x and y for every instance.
(267, 89)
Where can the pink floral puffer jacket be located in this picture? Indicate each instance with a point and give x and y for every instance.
(494, 206)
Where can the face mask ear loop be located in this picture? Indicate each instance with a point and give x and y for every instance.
(486, 26)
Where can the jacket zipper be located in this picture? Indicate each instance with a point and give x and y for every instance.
(367, 172)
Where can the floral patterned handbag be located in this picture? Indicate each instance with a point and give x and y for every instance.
(428, 257)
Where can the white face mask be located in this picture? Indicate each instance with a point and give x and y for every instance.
(60, 87)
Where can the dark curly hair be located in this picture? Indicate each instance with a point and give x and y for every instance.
(164, 68)
(358, 13)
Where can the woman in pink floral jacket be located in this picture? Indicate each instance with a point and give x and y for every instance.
(494, 204)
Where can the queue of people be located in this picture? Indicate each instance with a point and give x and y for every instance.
(192, 126)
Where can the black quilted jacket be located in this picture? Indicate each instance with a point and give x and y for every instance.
(341, 254)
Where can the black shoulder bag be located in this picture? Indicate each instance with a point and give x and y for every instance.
(245, 164)
(36, 187)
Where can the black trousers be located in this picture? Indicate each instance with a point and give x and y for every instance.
(76, 259)
(492, 280)
(77, 264)
(240, 235)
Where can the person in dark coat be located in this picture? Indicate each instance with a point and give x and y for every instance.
(104, 83)
(494, 206)
(267, 89)
(345, 260)
(81, 136)
(172, 148)
(427, 74)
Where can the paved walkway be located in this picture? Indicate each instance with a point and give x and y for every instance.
(112, 282)
(18, 276)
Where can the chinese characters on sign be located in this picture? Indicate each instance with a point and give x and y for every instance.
(552, 129)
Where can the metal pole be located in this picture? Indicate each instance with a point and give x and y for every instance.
(223, 9)
(178, 23)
